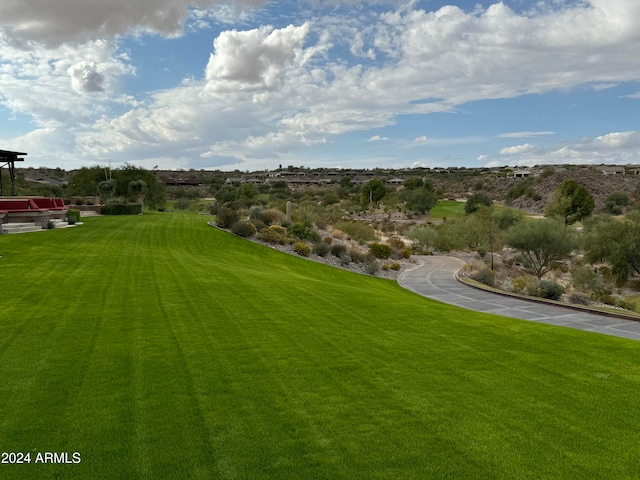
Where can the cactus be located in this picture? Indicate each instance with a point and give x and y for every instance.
(288, 212)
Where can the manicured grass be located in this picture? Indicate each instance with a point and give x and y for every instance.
(447, 208)
(159, 347)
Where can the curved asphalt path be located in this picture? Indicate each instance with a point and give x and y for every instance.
(435, 278)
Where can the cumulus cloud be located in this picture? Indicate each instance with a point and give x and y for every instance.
(86, 77)
(267, 91)
(377, 138)
(56, 22)
(614, 148)
(255, 59)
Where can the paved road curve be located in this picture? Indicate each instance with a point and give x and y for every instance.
(435, 278)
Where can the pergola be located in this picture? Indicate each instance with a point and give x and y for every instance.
(9, 159)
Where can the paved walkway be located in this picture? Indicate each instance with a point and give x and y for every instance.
(435, 278)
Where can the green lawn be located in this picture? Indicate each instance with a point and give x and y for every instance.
(447, 208)
(159, 347)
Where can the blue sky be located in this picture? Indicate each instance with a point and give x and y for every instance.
(254, 84)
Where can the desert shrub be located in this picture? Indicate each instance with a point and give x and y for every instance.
(406, 253)
(321, 249)
(272, 217)
(550, 290)
(303, 231)
(345, 260)
(371, 266)
(357, 256)
(182, 204)
(606, 298)
(338, 250)
(226, 217)
(396, 243)
(274, 234)
(625, 305)
(485, 276)
(579, 299)
(244, 229)
(391, 266)
(302, 249)
(259, 224)
(328, 240)
(380, 250)
(73, 216)
(519, 284)
(588, 280)
(359, 231)
(121, 209)
(423, 238)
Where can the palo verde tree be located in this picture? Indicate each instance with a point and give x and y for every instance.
(418, 195)
(571, 201)
(475, 201)
(616, 242)
(372, 192)
(542, 242)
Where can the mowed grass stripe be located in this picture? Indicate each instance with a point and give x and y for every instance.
(164, 348)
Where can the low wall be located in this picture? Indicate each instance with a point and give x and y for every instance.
(40, 218)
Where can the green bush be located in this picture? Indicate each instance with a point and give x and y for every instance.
(244, 229)
(357, 256)
(121, 209)
(345, 260)
(303, 231)
(321, 249)
(550, 290)
(579, 299)
(371, 266)
(274, 234)
(391, 266)
(226, 217)
(338, 250)
(358, 231)
(73, 216)
(406, 253)
(182, 204)
(302, 249)
(485, 276)
(380, 250)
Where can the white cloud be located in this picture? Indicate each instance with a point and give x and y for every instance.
(377, 138)
(634, 95)
(60, 21)
(266, 92)
(518, 149)
(86, 77)
(421, 139)
(614, 148)
(524, 134)
(255, 59)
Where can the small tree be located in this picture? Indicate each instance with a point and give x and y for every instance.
(413, 183)
(372, 192)
(616, 242)
(137, 190)
(423, 238)
(421, 199)
(475, 201)
(542, 242)
(571, 201)
(107, 189)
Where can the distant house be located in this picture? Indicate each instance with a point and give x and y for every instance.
(234, 181)
(395, 181)
(611, 170)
